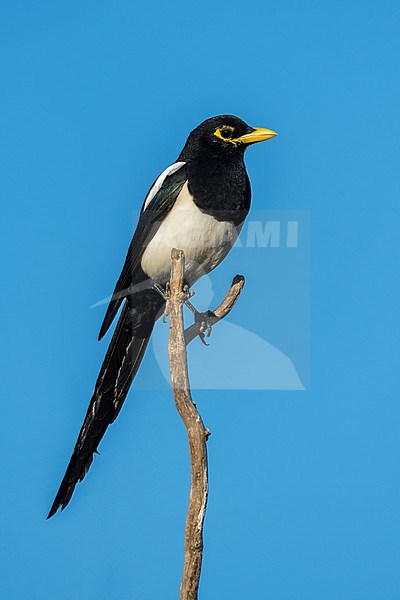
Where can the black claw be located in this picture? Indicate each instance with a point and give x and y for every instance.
(203, 338)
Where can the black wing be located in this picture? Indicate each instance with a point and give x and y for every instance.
(128, 343)
(149, 222)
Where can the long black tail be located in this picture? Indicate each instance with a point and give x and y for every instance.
(120, 365)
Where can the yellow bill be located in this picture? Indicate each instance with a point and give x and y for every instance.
(258, 135)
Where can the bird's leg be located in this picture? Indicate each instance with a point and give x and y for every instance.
(203, 319)
(164, 293)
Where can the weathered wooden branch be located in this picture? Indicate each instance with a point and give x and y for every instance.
(197, 433)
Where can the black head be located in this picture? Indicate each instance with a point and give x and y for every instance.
(222, 136)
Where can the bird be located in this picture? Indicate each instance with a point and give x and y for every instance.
(198, 204)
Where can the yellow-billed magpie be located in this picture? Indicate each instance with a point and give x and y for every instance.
(198, 204)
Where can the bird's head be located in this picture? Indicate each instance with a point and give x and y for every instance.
(223, 136)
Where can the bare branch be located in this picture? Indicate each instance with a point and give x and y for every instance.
(197, 433)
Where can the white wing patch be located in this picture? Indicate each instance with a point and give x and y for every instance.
(159, 181)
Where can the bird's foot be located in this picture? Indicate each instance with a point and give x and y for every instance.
(204, 321)
(184, 298)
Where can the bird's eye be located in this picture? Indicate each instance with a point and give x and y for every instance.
(225, 133)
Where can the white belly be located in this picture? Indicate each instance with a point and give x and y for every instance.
(204, 240)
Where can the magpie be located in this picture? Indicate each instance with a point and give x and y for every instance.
(198, 204)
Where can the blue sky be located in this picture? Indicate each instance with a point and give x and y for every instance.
(97, 98)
